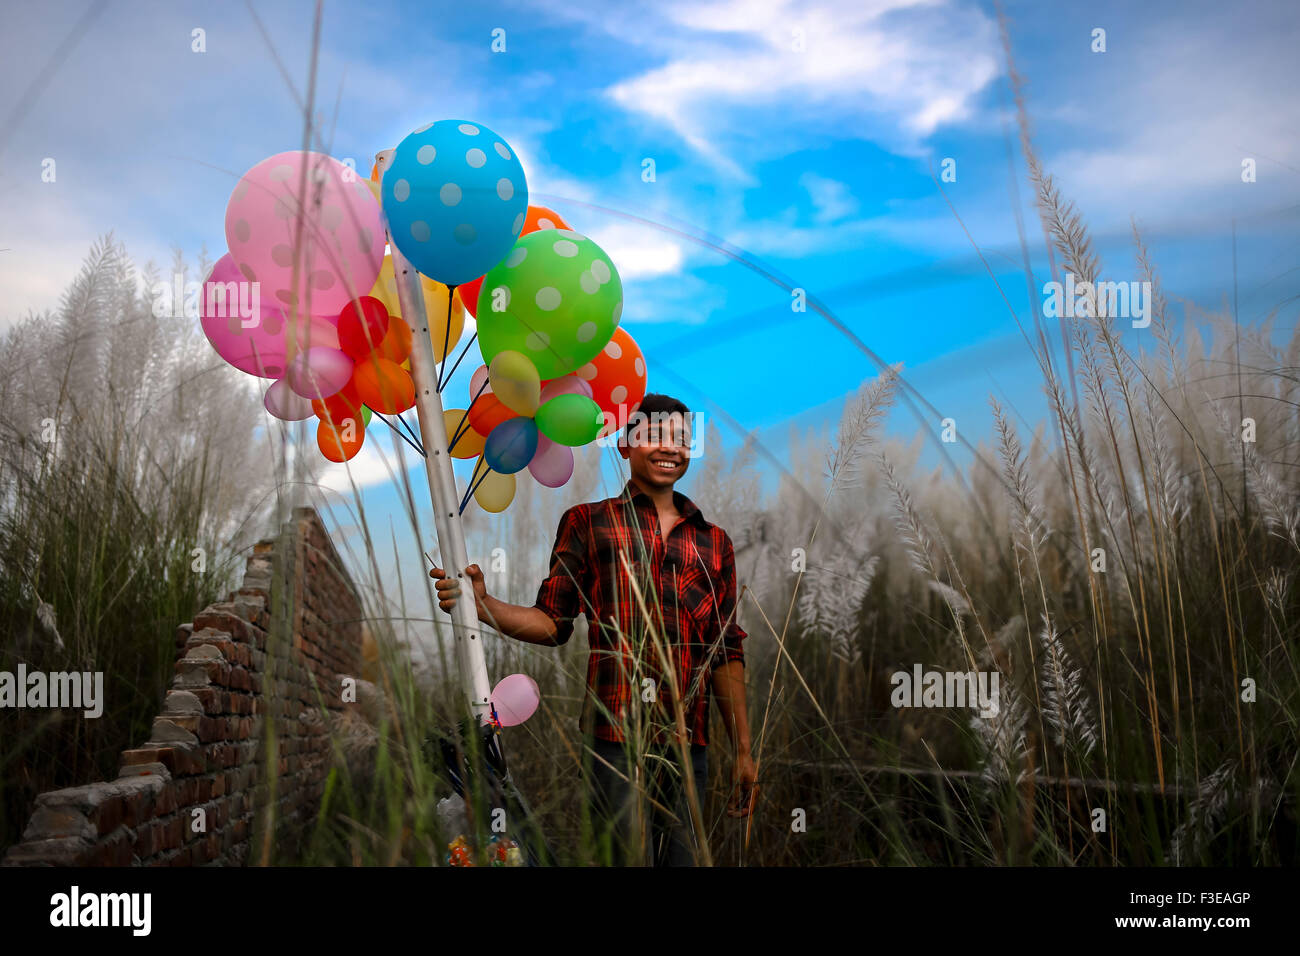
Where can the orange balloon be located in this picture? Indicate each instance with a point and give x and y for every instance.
(384, 385)
(617, 376)
(342, 441)
(396, 345)
(470, 442)
(487, 413)
(540, 217)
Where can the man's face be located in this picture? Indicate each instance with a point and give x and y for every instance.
(658, 448)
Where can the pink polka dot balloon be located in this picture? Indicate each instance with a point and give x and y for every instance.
(250, 333)
(338, 246)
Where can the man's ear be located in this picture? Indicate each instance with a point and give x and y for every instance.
(623, 449)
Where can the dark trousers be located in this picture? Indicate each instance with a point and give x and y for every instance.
(614, 812)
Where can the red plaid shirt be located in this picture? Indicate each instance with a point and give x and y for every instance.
(687, 584)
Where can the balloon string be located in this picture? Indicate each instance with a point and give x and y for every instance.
(475, 488)
(462, 355)
(470, 484)
(400, 434)
(410, 431)
(472, 487)
(446, 339)
(418, 450)
(460, 426)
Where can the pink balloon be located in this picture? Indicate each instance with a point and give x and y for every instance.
(319, 372)
(339, 242)
(281, 401)
(250, 333)
(552, 463)
(515, 698)
(479, 380)
(569, 384)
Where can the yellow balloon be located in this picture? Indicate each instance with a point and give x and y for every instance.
(470, 443)
(496, 491)
(514, 381)
(435, 307)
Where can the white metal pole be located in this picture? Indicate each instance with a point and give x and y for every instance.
(442, 481)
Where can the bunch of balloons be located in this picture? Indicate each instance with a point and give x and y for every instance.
(307, 298)
(546, 300)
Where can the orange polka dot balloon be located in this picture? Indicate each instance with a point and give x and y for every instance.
(617, 376)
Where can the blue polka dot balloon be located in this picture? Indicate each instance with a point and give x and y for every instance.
(455, 198)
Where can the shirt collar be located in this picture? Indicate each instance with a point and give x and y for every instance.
(685, 507)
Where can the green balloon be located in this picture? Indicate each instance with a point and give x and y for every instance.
(365, 415)
(569, 419)
(556, 297)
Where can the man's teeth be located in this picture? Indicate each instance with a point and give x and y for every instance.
(665, 465)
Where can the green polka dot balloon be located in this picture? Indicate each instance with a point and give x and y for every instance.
(556, 297)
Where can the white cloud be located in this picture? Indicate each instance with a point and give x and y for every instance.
(831, 197)
(639, 252)
(917, 63)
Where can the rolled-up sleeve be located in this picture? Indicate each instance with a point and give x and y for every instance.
(730, 647)
(561, 594)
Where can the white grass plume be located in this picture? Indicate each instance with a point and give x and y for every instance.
(862, 416)
(1002, 738)
(1030, 527)
(830, 599)
(1203, 811)
(1065, 703)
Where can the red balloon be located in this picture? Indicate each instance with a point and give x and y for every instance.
(468, 294)
(363, 323)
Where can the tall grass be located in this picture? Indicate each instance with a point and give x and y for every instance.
(128, 487)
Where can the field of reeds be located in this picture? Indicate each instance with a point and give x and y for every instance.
(128, 492)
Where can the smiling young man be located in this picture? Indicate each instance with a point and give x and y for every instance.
(657, 583)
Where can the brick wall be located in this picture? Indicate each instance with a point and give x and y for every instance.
(257, 686)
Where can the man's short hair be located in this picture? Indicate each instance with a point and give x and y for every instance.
(655, 408)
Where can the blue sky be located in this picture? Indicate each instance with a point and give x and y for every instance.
(815, 161)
